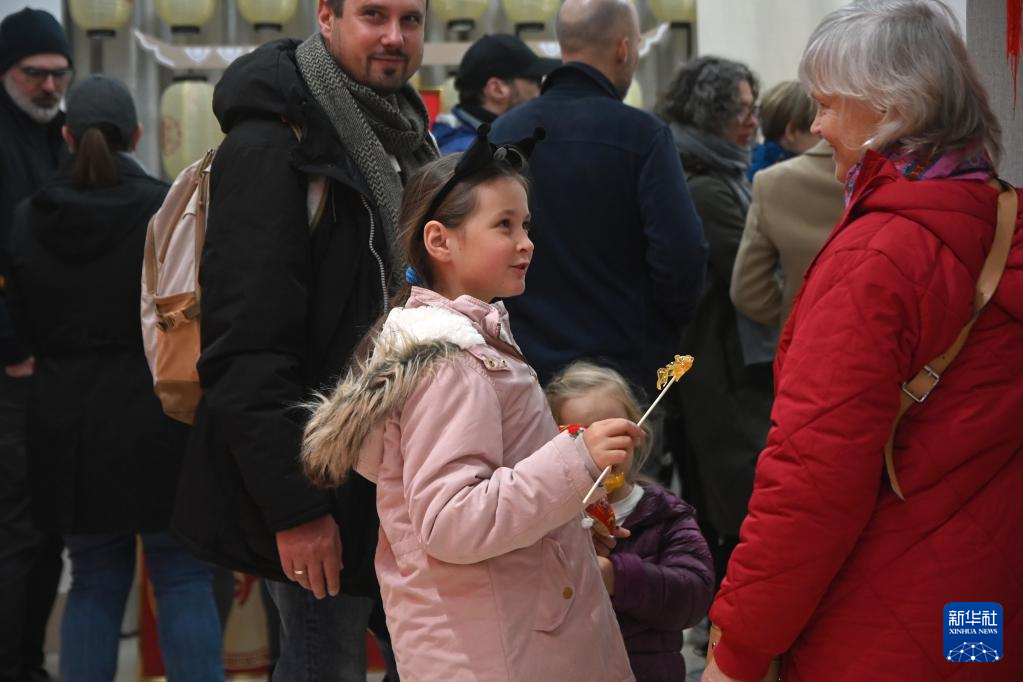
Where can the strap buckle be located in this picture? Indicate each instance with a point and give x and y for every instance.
(926, 373)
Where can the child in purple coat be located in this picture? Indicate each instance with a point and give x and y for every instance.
(661, 577)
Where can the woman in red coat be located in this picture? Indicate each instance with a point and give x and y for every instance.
(834, 571)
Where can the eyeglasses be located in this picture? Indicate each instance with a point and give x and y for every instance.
(39, 76)
(482, 155)
(745, 112)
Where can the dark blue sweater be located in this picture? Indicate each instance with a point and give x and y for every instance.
(620, 254)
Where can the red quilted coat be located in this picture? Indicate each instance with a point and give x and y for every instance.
(833, 569)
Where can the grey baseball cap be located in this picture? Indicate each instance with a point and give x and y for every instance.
(101, 99)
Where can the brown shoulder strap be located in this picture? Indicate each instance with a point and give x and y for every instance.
(917, 389)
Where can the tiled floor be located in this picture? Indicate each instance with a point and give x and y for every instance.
(694, 661)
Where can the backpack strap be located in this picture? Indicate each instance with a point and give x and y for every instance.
(916, 390)
(154, 253)
(316, 196)
(201, 214)
(316, 199)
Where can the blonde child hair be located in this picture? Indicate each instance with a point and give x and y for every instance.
(582, 377)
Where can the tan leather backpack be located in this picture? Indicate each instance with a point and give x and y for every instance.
(170, 284)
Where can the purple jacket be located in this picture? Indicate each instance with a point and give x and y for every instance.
(664, 582)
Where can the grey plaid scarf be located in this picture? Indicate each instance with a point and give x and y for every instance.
(371, 127)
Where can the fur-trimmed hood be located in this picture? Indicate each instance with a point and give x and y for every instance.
(430, 329)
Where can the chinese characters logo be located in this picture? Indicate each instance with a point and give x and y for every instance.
(973, 632)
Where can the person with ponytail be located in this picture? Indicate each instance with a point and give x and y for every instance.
(103, 458)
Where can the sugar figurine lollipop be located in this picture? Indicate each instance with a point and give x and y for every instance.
(600, 511)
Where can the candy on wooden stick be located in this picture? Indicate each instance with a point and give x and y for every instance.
(666, 377)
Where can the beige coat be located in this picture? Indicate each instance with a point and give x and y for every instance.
(795, 205)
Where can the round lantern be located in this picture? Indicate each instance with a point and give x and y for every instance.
(634, 97)
(675, 12)
(267, 14)
(100, 18)
(187, 125)
(185, 16)
(459, 15)
(530, 15)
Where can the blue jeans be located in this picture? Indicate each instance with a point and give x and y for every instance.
(102, 570)
(324, 640)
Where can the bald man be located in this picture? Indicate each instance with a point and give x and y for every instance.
(620, 255)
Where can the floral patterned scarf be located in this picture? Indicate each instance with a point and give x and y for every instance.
(962, 163)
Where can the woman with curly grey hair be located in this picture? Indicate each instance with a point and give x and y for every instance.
(726, 398)
(889, 488)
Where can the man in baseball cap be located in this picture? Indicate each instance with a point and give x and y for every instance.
(497, 73)
(35, 66)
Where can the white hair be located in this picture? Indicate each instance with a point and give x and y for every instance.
(907, 60)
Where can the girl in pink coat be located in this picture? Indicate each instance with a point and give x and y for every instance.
(485, 570)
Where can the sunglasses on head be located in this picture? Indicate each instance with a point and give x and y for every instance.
(480, 157)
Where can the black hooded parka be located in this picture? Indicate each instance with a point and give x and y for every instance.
(283, 308)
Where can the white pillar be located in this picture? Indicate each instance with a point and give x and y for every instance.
(767, 35)
(985, 28)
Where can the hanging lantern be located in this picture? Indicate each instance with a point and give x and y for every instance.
(187, 125)
(267, 14)
(634, 97)
(185, 16)
(100, 18)
(530, 15)
(675, 12)
(459, 15)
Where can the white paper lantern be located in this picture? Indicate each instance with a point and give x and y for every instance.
(530, 15)
(459, 15)
(674, 11)
(187, 124)
(100, 18)
(271, 14)
(185, 16)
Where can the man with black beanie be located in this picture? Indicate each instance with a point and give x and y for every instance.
(35, 65)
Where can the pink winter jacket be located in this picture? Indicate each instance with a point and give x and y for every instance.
(485, 569)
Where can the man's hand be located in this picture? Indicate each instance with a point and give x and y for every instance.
(607, 572)
(23, 369)
(311, 555)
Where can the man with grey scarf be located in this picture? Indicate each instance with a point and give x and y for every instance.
(288, 291)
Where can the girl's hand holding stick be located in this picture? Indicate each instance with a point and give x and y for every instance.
(666, 377)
